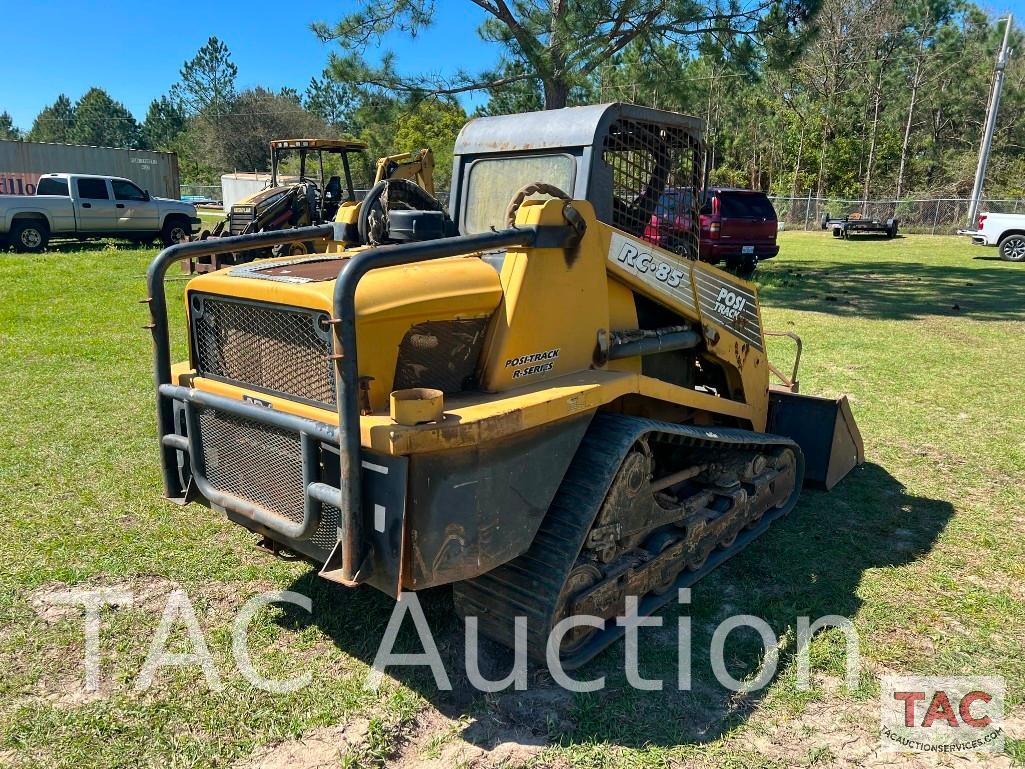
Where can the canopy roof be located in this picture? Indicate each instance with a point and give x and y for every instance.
(328, 145)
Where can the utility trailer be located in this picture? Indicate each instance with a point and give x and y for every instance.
(856, 224)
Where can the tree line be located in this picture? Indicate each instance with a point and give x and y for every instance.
(829, 98)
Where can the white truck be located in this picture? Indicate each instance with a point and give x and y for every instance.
(1006, 231)
(82, 207)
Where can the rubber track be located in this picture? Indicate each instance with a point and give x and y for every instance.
(530, 584)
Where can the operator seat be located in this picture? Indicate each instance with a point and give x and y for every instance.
(333, 189)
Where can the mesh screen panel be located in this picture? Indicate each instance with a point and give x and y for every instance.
(262, 464)
(440, 354)
(273, 348)
(655, 171)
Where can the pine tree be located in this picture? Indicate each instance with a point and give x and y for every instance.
(54, 123)
(165, 122)
(7, 129)
(102, 122)
(207, 79)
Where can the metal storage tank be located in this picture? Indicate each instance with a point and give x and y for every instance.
(22, 163)
(236, 186)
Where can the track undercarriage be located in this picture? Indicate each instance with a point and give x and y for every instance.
(645, 508)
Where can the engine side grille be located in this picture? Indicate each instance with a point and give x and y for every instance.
(270, 347)
(262, 464)
(237, 222)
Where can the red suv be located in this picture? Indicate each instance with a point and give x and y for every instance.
(738, 226)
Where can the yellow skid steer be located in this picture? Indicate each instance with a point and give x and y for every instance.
(524, 399)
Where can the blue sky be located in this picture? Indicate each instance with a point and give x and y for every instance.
(134, 51)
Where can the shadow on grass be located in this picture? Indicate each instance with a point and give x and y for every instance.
(808, 564)
(896, 290)
(91, 246)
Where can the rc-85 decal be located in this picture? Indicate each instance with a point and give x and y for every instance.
(666, 273)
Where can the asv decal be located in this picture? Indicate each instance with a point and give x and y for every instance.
(729, 304)
(643, 262)
(542, 359)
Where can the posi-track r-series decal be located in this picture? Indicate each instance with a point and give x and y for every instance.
(725, 302)
(544, 363)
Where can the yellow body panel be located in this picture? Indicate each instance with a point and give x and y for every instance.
(554, 302)
(475, 418)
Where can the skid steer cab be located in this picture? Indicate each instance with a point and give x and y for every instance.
(524, 398)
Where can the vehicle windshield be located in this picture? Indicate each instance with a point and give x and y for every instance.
(493, 182)
(672, 204)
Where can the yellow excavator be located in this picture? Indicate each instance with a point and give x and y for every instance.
(520, 397)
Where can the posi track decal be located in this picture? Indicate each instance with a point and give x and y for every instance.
(533, 363)
(728, 304)
(666, 273)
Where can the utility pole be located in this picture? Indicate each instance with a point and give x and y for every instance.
(991, 121)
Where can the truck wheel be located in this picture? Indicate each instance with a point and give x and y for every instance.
(175, 231)
(1012, 248)
(891, 228)
(747, 266)
(30, 235)
(837, 232)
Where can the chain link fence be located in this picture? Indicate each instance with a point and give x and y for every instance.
(930, 216)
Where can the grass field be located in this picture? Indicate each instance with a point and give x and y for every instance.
(922, 547)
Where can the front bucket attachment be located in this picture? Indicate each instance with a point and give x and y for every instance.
(823, 428)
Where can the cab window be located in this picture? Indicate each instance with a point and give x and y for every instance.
(52, 187)
(492, 181)
(125, 190)
(92, 189)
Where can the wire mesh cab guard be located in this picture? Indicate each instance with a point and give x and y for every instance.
(639, 167)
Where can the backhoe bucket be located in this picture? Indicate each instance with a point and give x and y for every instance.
(823, 428)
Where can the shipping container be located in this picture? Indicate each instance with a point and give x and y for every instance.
(22, 163)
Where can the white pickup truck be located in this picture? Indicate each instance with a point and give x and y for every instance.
(80, 207)
(1006, 231)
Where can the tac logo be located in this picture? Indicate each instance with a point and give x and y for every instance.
(729, 304)
(942, 715)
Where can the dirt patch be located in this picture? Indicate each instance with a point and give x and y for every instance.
(488, 742)
(320, 749)
(61, 676)
(148, 593)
